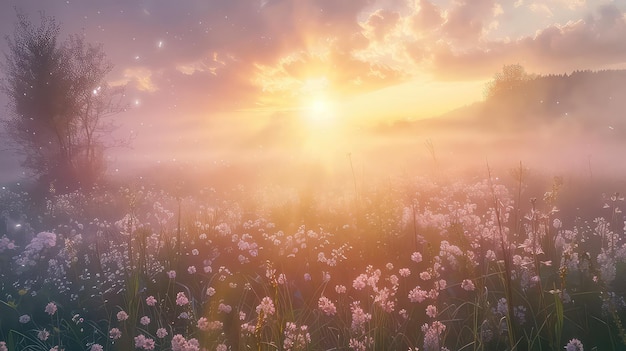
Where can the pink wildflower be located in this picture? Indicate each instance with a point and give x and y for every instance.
(161, 333)
(325, 277)
(24, 319)
(417, 295)
(340, 289)
(51, 308)
(181, 299)
(467, 285)
(267, 306)
(359, 318)
(431, 335)
(327, 306)
(224, 308)
(141, 342)
(296, 338)
(393, 279)
(151, 301)
(360, 282)
(43, 335)
(574, 345)
(180, 344)
(431, 311)
(416, 257)
(203, 324)
(115, 334)
(145, 320)
(122, 316)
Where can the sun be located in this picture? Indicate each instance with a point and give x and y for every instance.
(319, 111)
(321, 129)
(320, 106)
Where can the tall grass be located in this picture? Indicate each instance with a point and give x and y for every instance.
(456, 264)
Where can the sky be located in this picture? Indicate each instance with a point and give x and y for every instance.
(214, 77)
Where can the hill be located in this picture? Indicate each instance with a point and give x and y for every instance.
(547, 121)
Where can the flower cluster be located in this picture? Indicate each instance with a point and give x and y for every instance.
(266, 306)
(326, 306)
(296, 338)
(142, 342)
(179, 343)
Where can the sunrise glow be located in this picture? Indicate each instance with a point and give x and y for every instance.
(319, 112)
(352, 67)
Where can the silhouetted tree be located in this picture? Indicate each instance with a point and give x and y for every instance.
(57, 102)
(503, 83)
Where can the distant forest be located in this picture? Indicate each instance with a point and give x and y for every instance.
(596, 99)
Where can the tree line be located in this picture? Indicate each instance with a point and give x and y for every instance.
(589, 98)
(513, 80)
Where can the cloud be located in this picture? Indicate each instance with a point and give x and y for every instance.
(571, 4)
(593, 42)
(140, 78)
(241, 53)
(541, 9)
(213, 50)
(267, 49)
(343, 72)
(380, 23)
(467, 20)
(427, 16)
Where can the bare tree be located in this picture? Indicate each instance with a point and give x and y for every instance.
(58, 101)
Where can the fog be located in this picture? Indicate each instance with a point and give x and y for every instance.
(569, 126)
(376, 153)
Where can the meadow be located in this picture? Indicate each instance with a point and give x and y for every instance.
(439, 261)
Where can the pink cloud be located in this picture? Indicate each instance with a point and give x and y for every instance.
(427, 16)
(381, 22)
(467, 19)
(583, 44)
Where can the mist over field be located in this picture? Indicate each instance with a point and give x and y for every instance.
(570, 126)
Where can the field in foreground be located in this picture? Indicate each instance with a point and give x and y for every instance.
(432, 263)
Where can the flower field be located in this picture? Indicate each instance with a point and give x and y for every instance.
(416, 263)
